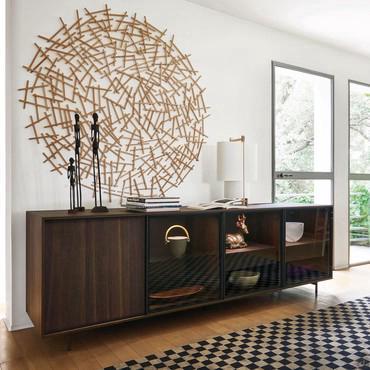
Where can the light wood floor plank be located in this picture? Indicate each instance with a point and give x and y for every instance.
(17, 364)
(107, 346)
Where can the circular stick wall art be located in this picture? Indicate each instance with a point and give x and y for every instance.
(145, 90)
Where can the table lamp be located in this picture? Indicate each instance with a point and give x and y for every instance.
(231, 167)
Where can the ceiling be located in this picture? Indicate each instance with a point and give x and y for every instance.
(344, 24)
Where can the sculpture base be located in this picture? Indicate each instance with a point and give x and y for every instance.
(72, 211)
(98, 209)
(236, 246)
(80, 209)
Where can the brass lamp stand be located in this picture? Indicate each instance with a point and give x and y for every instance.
(241, 139)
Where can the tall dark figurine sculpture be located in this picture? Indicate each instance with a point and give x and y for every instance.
(95, 137)
(77, 131)
(71, 173)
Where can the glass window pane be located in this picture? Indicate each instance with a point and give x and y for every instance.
(359, 128)
(307, 249)
(303, 116)
(359, 221)
(303, 191)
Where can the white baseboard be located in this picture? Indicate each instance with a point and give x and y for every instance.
(20, 326)
(6, 322)
(24, 324)
(341, 267)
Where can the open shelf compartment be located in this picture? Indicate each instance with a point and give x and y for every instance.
(260, 258)
(309, 258)
(192, 278)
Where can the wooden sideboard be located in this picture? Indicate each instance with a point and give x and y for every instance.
(87, 270)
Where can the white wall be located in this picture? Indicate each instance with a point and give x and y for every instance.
(2, 156)
(234, 58)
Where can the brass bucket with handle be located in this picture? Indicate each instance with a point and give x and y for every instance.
(177, 243)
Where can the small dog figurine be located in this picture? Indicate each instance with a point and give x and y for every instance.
(237, 240)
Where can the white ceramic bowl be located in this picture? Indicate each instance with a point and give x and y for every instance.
(294, 231)
(245, 279)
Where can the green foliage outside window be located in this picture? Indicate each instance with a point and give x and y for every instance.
(359, 205)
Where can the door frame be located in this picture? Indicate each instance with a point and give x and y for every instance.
(300, 175)
(353, 176)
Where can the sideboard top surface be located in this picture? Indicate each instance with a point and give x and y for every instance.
(123, 212)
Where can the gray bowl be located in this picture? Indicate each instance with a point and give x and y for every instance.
(244, 278)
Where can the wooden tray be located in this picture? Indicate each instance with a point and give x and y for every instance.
(178, 292)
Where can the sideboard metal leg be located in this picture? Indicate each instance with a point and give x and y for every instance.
(69, 343)
(277, 294)
(316, 289)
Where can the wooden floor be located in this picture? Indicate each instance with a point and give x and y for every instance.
(96, 349)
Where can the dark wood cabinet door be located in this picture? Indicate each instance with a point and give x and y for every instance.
(94, 271)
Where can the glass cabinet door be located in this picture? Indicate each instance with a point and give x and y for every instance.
(252, 251)
(307, 248)
(184, 256)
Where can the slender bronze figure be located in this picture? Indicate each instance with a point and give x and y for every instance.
(71, 173)
(77, 131)
(95, 138)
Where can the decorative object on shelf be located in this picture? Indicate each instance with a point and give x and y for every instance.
(144, 88)
(224, 203)
(95, 139)
(244, 278)
(293, 231)
(229, 159)
(178, 243)
(237, 240)
(153, 204)
(71, 173)
(177, 292)
(77, 132)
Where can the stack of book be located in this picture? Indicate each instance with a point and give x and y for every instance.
(153, 204)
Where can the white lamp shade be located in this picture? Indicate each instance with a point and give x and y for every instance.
(229, 161)
(233, 189)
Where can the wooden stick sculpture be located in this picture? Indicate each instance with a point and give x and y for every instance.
(237, 240)
(71, 173)
(95, 138)
(77, 132)
(144, 88)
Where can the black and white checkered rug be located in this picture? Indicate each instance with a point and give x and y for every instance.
(337, 337)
